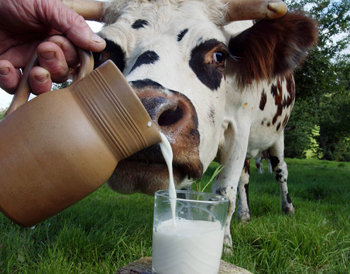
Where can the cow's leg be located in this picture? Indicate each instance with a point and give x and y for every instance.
(229, 192)
(279, 166)
(259, 165)
(243, 214)
(232, 156)
(269, 166)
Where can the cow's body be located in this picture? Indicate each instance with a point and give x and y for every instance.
(259, 117)
(212, 90)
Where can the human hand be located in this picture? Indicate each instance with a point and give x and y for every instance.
(24, 25)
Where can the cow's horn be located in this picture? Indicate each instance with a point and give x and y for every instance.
(254, 9)
(90, 10)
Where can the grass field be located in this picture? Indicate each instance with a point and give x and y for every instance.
(107, 230)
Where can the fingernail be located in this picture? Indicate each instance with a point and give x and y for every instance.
(4, 71)
(42, 77)
(48, 55)
(97, 39)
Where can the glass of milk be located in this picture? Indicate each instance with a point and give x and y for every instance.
(189, 239)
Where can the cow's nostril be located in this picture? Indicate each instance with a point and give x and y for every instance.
(165, 112)
(170, 117)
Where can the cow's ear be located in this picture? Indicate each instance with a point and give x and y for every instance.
(272, 47)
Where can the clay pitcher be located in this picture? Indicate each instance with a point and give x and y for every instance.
(62, 145)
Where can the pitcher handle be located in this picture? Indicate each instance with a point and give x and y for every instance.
(23, 90)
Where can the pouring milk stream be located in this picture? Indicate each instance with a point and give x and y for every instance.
(168, 156)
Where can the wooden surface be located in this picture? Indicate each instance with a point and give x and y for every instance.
(144, 266)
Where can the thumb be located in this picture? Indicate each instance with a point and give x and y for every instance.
(71, 24)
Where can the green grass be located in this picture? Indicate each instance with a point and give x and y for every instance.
(106, 230)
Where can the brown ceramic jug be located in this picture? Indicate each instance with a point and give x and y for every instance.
(62, 145)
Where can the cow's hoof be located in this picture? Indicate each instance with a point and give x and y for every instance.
(227, 240)
(243, 217)
(288, 209)
(228, 245)
(228, 250)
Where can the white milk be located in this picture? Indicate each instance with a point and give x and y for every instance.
(190, 247)
(168, 156)
(184, 246)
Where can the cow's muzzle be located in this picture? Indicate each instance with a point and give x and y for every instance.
(175, 116)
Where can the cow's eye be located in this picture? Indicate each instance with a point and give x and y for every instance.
(219, 57)
(208, 61)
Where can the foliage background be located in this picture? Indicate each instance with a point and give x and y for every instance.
(321, 116)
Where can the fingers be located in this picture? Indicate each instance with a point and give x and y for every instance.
(9, 76)
(55, 57)
(39, 80)
(72, 25)
(51, 57)
(67, 48)
(81, 35)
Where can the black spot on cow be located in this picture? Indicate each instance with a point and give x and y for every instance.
(278, 126)
(246, 167)
(181, 35)
(280, 100)
(289, 200)
(246, 188)
(274, 90)
(203, 66)
(112, 52)
(290, 88)
(146, 83)
(140, 23)
(285, 121)
(263, 100)
(278, 177)
(146, 58)
(274, 161)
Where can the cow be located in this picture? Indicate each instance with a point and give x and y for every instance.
(243, 212)
(259, 164)
(216, 77)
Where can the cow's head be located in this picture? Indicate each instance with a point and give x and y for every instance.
(179, 57)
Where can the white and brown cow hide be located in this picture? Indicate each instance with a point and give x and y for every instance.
(215, 91)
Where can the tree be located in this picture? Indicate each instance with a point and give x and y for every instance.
(335, 118)
(322, 83)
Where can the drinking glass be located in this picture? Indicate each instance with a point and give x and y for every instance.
(193, 241)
